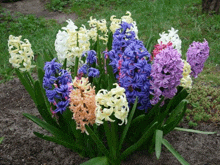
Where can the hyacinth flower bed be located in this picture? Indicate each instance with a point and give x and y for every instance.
(103, 84)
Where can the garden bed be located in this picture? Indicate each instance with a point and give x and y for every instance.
(20, 146)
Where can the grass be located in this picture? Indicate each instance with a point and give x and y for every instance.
(152, 17)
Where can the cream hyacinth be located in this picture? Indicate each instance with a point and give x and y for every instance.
(98, 28)
(186, 81)
(71, 43)
(172, 37)
(109, 102)
(21, 53)
(115, 23)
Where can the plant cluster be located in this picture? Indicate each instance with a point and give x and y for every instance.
(83, 110)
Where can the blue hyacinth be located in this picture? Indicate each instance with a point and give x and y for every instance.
(56, 83)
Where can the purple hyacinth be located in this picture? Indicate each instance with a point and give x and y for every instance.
(93, 72)
(91, 58)
(86, 69)
(166, 73)
(56, 82)
(197, 54)
(83, 70)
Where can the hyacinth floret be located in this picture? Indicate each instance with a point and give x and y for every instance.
(91, 57)
(167, 70)
(134, 74)
(87, 68)
(197, 54)
(111, 102)
(159, 47)
(21, 53)
(83, 103)
(115, 24)
(186, 81)
(56, 82)
(172, 37)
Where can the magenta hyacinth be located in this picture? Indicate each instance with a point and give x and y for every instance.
(166, 73)
(197, 54)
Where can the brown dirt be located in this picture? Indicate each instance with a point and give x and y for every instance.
(37, 7)
(20, 146)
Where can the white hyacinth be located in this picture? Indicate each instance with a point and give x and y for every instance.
(71, 43)
(111, 102)
(21, 53)
(172, 37)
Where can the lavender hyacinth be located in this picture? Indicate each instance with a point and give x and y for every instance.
(56, 82)
(166, 73)
(197, 54)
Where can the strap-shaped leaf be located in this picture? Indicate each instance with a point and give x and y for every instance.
(98, 142)
(110, 39)
(53, 130)
(97, 161)
(176, 112)
(144, 137)
(170, 126)
(41, 106)
(174, 152)
(26, 84)
(124, 133)
(75, 147)
(158, 142)
(194, 131)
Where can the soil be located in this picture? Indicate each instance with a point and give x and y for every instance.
(37, 7)
(21, 146)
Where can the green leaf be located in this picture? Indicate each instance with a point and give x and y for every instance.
(64, 64)
(124, 133)
(41, 106)
(194, 131)
(1, 139)
(55, 131)
(144, 137)
(97, 161)
(76, 66)
(98, 142)
(170, 126)
(26, 83)
(176, 111)
(158, 142)
(75, 147)
(174, 152)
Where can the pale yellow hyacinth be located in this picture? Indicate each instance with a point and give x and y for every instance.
(186, 81)
(98, 28)
(21, 53)
(111, 102)
(115, 23)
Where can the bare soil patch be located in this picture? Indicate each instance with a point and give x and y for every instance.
(37, 7)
